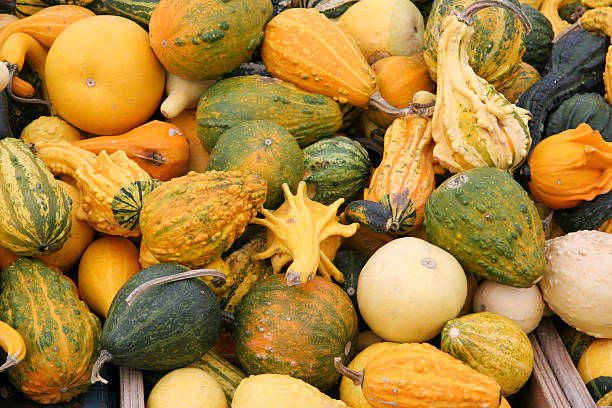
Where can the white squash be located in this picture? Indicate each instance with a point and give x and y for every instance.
(577, 283)
(182, 94)
(524, 306)
(187, 387)
(409, 289)
(382, 28)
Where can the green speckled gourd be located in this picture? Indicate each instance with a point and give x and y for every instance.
(307, 116)
(335, 167)
(590, 108)
(136, 10)
(35, 210)
(488, 223)
(576, 342)
(538, 43)
(61, 334)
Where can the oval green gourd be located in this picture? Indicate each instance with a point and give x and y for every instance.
(538, 43)
(136, 10)
(226, 374)
(36, 211)
(488, 223)
(589, 108)
(588, 215)
(307, 116)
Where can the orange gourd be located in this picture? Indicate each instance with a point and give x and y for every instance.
(571, 167)
(20, 48)
(198, 156)
(6, 257)
(160, 148)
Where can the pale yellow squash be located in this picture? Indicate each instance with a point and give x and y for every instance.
(50, 129)
(187, 387)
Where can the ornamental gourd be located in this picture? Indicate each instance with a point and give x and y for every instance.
(187, 384)
(12, 343)
(50, 129)
(599, 21)
(595, 370)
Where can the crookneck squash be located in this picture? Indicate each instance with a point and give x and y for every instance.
(550, 9)
(61, 335)
(182, 93)
(12, 343)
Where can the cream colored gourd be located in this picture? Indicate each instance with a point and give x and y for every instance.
(280, 391)
(382, 28)
(187, 387)
(182, 94)
(577, 283)
(409, 289)
(50, 129)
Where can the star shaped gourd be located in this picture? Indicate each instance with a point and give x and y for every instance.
(299, 230)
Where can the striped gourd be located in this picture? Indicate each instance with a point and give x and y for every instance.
(225, 373)
(25, 8)
(136, 10)
(36, 211)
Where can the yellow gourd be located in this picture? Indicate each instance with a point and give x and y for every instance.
(550, 9)
(187, 387)
(50, 129)
(183, 94)
(11, 342)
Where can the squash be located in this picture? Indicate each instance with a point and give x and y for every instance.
(524, 306)
(505, 238)
(159, 148)
(93, 89)
(105, 266)
(198, 156)
(139, 11)
(538, 42)
(41, 304)
(262, 147)
(331, 9)
(182, 94)
(217, 205)
(6, 257)
(24, 8)
(588, 215)
(270, 315)
(550, 9)
(371, 214)
(599, 21)
(576, 342)
(206, 39)
(36, 210)
(398, 28)
(576, 279)
(50, 129)
(596, 371)
(6, 19)
(350, 264)
(414, 375)
(590, 108)
(20, 48)
(12, 343)
(226, 374)
(298, 230)
(493, 345)
(186, 388)
(527, 76)
(280, 391)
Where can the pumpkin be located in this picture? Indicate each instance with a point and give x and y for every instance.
(398, 28)
(159, 148)
(262, 147)
(6, 19)
(105, 266)
(571, 167)
(93, 89)
(590, 108)
(12, 343)
(198, 156)
(272, 313)
(527, 76)
(492, 345)
(218, 206)
(576, 279)
(414, 375)
(37, 217)
(505, 235)
(576, 342)
(183, 93)
(538, 42)
(50, 129)
(595, 370)
(187, 387)
(40, 303)
(208, 38)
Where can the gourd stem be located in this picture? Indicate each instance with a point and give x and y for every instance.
(421, 109)
(228, 317)
(10, 361)
(546, 221)
(355, 376)
(12, 68)
(467, 14)
(574, 27)
(219, 280)
(105, 357)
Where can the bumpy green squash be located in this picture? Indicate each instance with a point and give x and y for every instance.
(35, 209)
(486, 220)
(61, 334)
(589, 108)
(538, 43)
(307, 116)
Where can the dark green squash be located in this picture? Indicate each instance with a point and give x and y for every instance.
(127, 203)
(588, 215)
(486, 220)
(136, 10)
(575, 342)
(538, 43)
(350, 263)
(589, 108)
(307, 116)
(370, 214)
(568, 10)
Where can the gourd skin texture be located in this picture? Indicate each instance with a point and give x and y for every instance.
(538, 42)
(588, 215)
(226, 374)
(61, 334)
(49, 129)
(596, 371)
(576, 342)
(589, 108)
(187, 387)
(599, 20)
(524, 80)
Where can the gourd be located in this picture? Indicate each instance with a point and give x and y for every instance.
(159, 148)
(550, 9)
(50, 129)
(576, 280)
(270, 315)
(115, 94)
(40, 303)
(538, 42)
(6, 19)
(576, 342)
(493, 345)
(399, 28)
(350, 264)
(525, 79)
(596, 372)
(37, 217)
(139, 11)
(505, 238)
(307, 116)
(195, 218)
(408, 289)
(599, 21)
(20, 48)
(206, 39)
(280, 391)
(524, 306)
(571, 167)
(187, 387)
(422, 375)
(183, 93)
(588, 215)
(105, 266)
(12, 343)
(473, 125)
(590, 108)
(149, 317)
(198, 156)
(262, 147)
(226, 374)
(302, 239)
(494, 49)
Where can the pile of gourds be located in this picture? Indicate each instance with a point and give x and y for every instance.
(355, 203)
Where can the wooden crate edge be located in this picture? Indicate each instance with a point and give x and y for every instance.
(132, 388)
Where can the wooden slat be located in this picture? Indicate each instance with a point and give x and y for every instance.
(132, 389)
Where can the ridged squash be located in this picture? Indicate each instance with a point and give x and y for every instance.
(595, 370)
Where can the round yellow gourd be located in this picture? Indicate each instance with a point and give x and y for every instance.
(504, 403)
(102, 76)
(50, 129)
(524, 306)
(187, 388)
(595, 369)
(409, 289)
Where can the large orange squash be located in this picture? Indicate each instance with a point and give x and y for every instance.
(102, 75)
